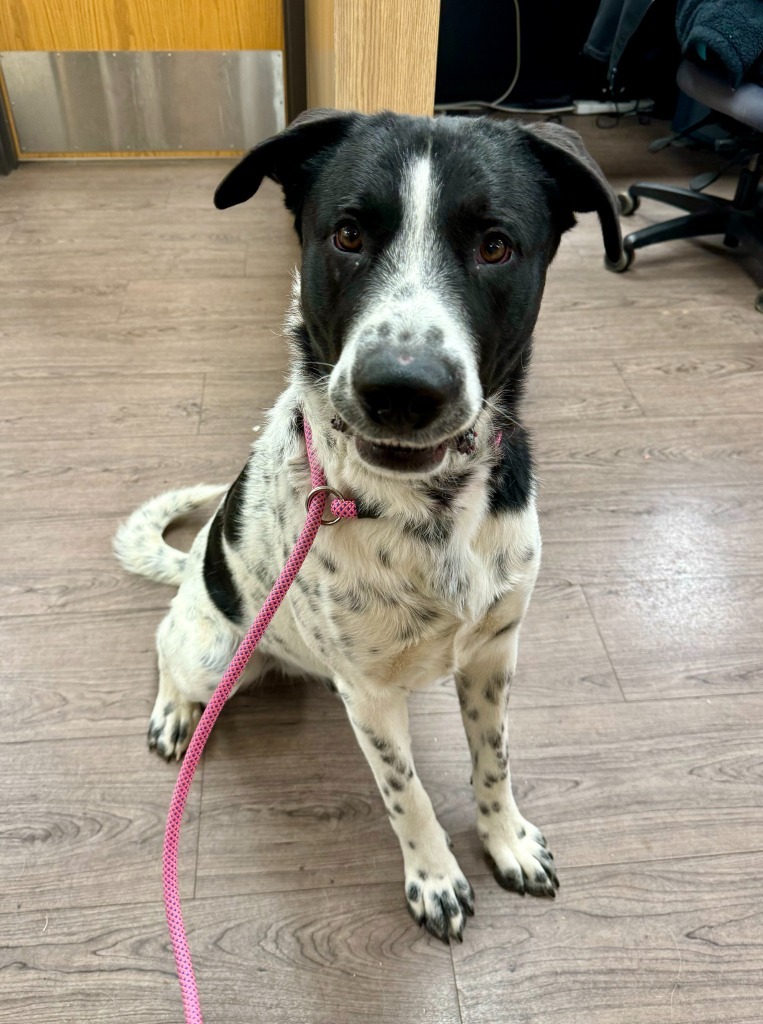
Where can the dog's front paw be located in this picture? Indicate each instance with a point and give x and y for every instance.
(439, 896)
(520, 857)
(172, 723)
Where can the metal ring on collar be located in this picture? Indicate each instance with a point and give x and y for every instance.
(324, 490)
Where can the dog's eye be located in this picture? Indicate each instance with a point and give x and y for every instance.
(347, 238)
(494, 248)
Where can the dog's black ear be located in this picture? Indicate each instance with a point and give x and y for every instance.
(283, 158)
(581, 182)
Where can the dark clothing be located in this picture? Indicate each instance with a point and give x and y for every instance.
(614, 26)
(722, 35)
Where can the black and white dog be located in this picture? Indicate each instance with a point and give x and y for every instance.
(425, 247)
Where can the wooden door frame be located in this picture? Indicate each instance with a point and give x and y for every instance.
(9, 158)
(295, 57)
(371, 55)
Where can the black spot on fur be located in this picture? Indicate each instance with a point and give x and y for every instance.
(434, 532)
(233, 518)
(411, 844)
(493, 738)
(490, 780)
(501, 565)
(328, 563)
(442, 496)
(521, 833)
(493, 689)
(495, 806)
(180, 733)
(511, 480)
(398, 809)
(264, 575)
(413, 892)
(473, 714)
(350, 597)
(397, 763)
(217, 575)
(423, 875)
(395, 783)
(505, 629)
(483, 808)
(368, 509)
(385, 558)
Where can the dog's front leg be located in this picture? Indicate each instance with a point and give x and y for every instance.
(438, 894)
(517, 848)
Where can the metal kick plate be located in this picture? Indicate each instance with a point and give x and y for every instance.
(83, 102)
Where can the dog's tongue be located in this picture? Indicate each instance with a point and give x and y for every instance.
(411, 460)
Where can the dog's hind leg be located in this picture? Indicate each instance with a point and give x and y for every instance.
(194, 643)
(174, 716)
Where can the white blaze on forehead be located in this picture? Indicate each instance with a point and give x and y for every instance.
(416, 242)
(419, 198)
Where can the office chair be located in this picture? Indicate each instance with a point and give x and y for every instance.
(739, 220)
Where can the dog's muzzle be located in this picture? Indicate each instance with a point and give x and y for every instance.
(403, 400)
(402, 393)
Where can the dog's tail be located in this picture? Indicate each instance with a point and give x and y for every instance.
(139, 544)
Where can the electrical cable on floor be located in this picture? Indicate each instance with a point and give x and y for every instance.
(496, 104)
(499, 103)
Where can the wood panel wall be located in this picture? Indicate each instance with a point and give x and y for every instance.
(372, 54)
(141, 25)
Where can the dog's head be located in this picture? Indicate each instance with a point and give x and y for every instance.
(425, 248)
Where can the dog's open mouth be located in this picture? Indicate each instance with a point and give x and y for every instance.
(398, 457)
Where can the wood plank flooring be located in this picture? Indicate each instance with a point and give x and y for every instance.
(140, 340)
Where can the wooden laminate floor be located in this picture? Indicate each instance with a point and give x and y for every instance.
(140, 345)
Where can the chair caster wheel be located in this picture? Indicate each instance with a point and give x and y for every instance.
(622, 264)
(759, 302)
(628, 203)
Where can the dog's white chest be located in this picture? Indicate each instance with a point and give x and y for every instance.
(402, 612)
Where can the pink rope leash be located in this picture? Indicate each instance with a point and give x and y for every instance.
(341, 509)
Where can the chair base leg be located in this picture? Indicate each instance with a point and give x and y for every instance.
(683, 198)
(705, 222)
(739, 221)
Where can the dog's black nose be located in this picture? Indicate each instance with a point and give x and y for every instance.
(404, 392)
